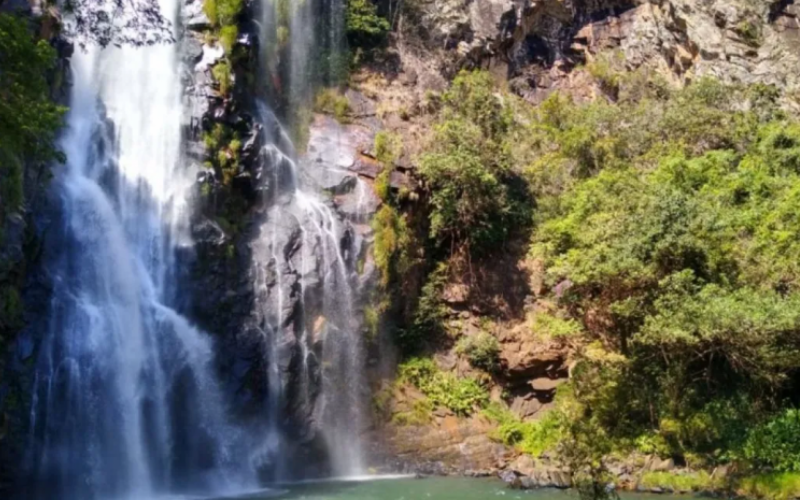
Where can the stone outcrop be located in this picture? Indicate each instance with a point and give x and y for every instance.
(448, 446)
(537, 44)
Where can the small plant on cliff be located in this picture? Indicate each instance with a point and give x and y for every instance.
(222, 75)
(460, 395)
(227, 37)
(391, 236)
(332, 102)
(223, 12)
(533, 437)
(388, 148)
(482, 350)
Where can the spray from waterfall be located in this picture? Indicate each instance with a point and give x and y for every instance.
(125, 404)
(306, 249)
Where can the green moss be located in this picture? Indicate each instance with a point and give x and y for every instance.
(683, 482)
(373, 315)
(549, 325)
(776, 486)
(223, 12)
(227, 37)
(390, 240)
(388, 147)
(223, 76)
(421, 413)
(10, 308)
(332, 102)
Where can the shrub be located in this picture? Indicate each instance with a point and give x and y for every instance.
(555, 327)
(476, 199)
(421, 413)
(531, 437)
(482, 350)
(331, 102)
(694, 481)
(388, 147)
(776, 443)
(222, 74)
(365, 28)
(391, 236)
(460, 395)
(772, 486)
(223, 12)
(227, 37)
(29, 120)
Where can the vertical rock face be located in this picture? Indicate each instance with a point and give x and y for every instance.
(278, 284)
(23, 291)
(538, 42)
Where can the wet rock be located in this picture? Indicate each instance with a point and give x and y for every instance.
(334, 146)
(511, 479)
(194, 17)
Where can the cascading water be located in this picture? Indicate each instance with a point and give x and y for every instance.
(125, 404)
(306, 250)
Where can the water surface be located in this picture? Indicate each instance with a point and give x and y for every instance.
(419, 489)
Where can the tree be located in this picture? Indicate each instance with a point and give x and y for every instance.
(467, 167)
(28, 118)
(364, 26)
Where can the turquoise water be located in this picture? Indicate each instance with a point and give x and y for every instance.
(418, 489)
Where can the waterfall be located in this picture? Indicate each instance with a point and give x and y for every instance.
(305, 255)
(125, 403)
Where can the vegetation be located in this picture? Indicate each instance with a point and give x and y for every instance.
(533, 437)
(222, 74)
(223, 13)
(29, 122)
(365, 28)
(665, 222)
(771, 486)
(461, 395)
(332, 102)
(29, 119)
(482, 350)
(224, 17)
(695, 481)
(474, 205)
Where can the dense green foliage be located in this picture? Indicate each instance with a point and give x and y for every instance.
(468, 169)
(365, 28)
(666, 219)
(482, 350)
(29, 119)
(461, 395)
(224, 17)
(776, 442)
(533, 436)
